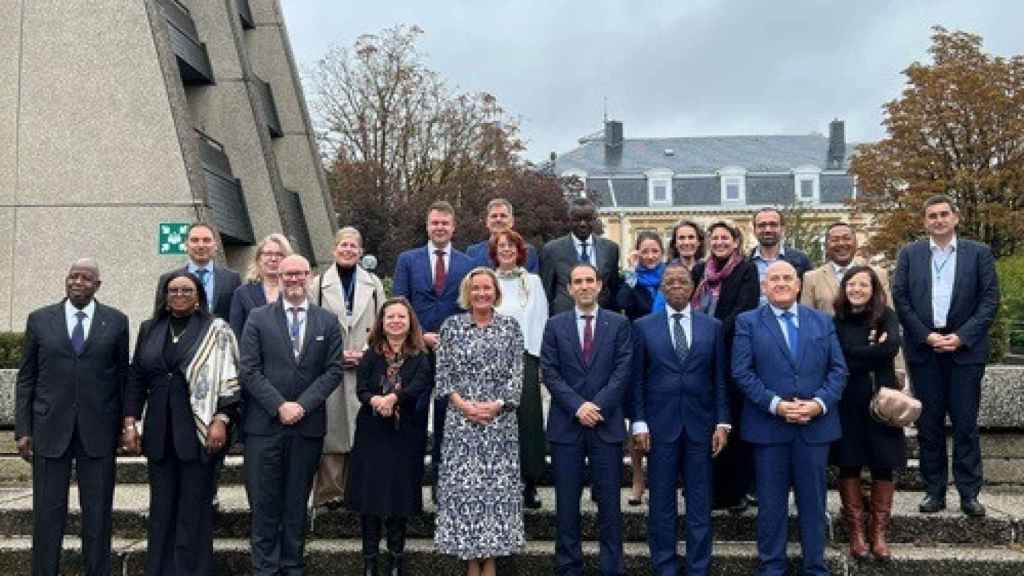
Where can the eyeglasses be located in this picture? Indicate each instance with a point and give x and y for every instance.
(295, 275)
(181, 291)
(269, 255)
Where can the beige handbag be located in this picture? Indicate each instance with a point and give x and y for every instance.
(894, 407)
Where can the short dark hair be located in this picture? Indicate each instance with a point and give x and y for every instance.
(584, 265)
(413, 343)
(649, 235)
(515, 238)
(441, 206)
(195, 225)
(581, 203)
(733, 231)
(839, 224)
(766, 209)
(673, 252)
(940, 199)
(677, 266)
(876, 306)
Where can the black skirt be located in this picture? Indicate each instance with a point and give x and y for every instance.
(385, 463)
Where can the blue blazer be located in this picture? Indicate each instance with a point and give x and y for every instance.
(971, 311)
(670, 395)
(414, 280)
(763, 368)
(603, 382)
(480, 254)
(246, 298)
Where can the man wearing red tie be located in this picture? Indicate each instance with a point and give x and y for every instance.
(586, 359)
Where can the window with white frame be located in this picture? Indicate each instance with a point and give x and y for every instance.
(659, 187)
(734, 185)
(807, 184)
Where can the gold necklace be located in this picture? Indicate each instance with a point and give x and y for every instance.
(176, 337)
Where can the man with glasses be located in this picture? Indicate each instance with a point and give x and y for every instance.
(770, 229)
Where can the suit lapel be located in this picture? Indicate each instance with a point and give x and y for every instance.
(577, 342)
(665, 341)
(280, 316)
(60, 326)
(771, 323)
(600, 334)
(311, 330)
(805, 332)
(97, 327)
(961, 263)
(362, 294)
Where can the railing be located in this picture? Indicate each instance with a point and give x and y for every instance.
(224, 192)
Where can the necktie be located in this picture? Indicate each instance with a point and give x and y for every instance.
(296, 330)
(584, 255)
(588, 338)
(793, 334)
(682, 346)
(78, 334)
(439, 272)
(203, 274)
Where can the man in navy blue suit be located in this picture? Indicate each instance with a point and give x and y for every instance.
(946, 294)
(500, 217)
(429, 277)
(586, 359)
(680, 415)
(787, 362)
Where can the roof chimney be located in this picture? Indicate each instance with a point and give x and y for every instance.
(612, 141)
(836, 144)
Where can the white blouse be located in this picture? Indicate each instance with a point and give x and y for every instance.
(523, 298)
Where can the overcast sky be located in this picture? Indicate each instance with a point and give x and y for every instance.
(672, 68)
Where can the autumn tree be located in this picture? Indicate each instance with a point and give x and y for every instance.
(958, 128)
(396, 138)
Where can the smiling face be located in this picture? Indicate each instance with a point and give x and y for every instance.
(940, 221)
(507, 253)
(677, 286)
(294, 271)
(81, 285)
(650, 253)
(721, 242)
(781, 284)
(859, 290)
(201, 246)
(482, 293)
(348, 251)
(687, 242)
(396, 320)
(270, 259)
(499, 219)
(840, 245)
(182, 296)
(584, 287)
(440, 227)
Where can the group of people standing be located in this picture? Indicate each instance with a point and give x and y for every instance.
(743, 374)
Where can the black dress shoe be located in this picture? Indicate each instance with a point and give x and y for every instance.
(971, 507)
(751, 500)
(931, 504)
(530, 499)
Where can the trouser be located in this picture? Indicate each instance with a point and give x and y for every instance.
(180, 538)
(691, 457)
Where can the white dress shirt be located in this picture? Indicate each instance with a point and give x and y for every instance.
(523, 298)
(71, 320)
(943, 271)
(431, 248)
(794, 309)
(590, 248)
(303, 315)
(581, 323)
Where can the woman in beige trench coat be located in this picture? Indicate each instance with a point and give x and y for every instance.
(355, 296)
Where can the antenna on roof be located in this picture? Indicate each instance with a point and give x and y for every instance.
(605, 108)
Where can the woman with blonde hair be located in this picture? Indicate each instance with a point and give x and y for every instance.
(355, 296)
(261, 280)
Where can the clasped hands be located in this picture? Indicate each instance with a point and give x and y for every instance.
(943, 343)
(482, 413)
(798, 411)
(589, 414)
(131, 443)
(384, 405)
(719, 440)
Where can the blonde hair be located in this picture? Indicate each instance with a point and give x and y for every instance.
(252, 272)
(348, 231)
(468, 280)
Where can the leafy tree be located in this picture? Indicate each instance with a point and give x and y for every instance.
(803, 232)
(958, 128)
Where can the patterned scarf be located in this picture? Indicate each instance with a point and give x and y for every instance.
(710, 286)
(392, 375)
(212, 375)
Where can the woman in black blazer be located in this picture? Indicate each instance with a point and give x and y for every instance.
(383, 484)
(261, 280)
(185, 373)
(727, 285)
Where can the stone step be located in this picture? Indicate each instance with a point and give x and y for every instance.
(332, 557)
(131, 504)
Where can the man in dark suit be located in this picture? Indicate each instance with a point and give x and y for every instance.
(770, 229)
(946, 294)
(429, 277)
(680, 415)
(68, 403)
(788, 364)
(291, 353)
(586, 358)
(219, 282)
(579, 246)
(499, 218)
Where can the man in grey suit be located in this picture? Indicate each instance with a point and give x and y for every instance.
(68, 407)
(291, 354)
(219, 282)
(579, 246)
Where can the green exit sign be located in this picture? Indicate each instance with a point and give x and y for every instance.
(171, 239)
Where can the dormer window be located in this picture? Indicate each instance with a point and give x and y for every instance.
(659, 187)
(807, 184)
(734, 185)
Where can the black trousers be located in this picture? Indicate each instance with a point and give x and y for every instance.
(51, 478)
(945, 387)
(279, 472)
(180, 516)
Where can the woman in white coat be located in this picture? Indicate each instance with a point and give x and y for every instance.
(355, 296)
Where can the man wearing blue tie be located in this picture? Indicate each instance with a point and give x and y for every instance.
(680, 415)
(788, 364)
(586, 359)
(219, 282)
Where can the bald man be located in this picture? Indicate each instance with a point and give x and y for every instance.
(787, 362)
(68, 405)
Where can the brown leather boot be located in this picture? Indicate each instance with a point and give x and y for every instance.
(881, 511)
(853, 516)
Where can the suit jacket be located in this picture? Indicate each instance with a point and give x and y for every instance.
(764, 368)
(225, 282)
(571, 383)
(271, 374)
(820, 287)
(797, 258)
(414, 280)
(670, 395)
(245, 299)
(971, 311)
(560, 255)
(57, 390)
(740, 292)
(480, 254)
